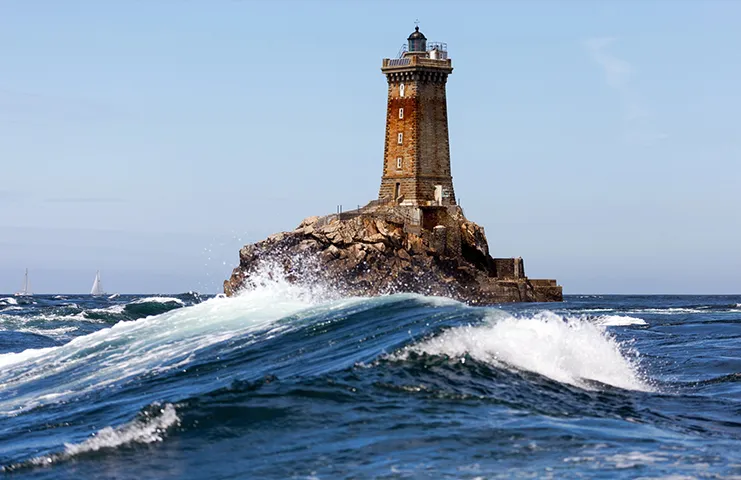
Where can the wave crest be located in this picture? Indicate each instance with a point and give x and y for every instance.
(568, 350)
(150, 426)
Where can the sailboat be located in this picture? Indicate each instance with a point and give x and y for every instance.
(26, 290)
(97, 289)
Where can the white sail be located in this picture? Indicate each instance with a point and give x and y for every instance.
(26, 290)
(97, 287)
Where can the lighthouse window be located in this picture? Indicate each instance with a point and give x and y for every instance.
(401, 90)
(398, 163)
(401, 113)
(401, 138)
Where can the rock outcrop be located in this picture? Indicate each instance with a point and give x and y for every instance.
(379, 251)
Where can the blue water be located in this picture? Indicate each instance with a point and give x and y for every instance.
(284, 382)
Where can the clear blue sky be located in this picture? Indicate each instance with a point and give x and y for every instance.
(598, 140)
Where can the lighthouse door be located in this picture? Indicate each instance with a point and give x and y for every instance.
(439, 194)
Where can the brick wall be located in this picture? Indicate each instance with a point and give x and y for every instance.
(424, 149)
(407, 150)
(434, 146)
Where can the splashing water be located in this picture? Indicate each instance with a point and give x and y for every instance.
(572, 351)
(149, 345)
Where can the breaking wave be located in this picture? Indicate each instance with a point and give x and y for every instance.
(572, 351)
(150, 426)
(193, 361)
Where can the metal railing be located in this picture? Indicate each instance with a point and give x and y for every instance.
(441, 47)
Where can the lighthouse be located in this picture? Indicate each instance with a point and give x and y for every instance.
(414, 237)
(416, 164)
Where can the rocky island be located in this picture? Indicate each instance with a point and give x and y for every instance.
(414, 237)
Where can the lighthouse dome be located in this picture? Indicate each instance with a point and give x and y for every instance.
(417, 41)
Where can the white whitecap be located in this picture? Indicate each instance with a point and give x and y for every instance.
(112, 309)
(158, 300)
(149, 429)
(667, 311)
(153, 344)
(573, 351)
(619, 321)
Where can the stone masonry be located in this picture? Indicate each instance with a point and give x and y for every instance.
(417, 149)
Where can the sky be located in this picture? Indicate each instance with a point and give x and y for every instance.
(150, 140)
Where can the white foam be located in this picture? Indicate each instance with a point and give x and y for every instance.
(635, 459)
(142, 430)
(156, 343)
(55, 333)
(15, 322)
(572, 351)
(8, 301)
(668, 311)
(158, 300)
(619, 321)
(149, 430)
(112, 309)
(7, 359)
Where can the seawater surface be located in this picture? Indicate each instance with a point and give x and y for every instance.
(290, 382)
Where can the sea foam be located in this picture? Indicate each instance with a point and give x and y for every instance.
(149, 427)
(158, 300)
(148, 345)
(573, 351)
(619, 321)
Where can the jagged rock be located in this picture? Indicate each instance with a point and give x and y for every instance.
(375, 253)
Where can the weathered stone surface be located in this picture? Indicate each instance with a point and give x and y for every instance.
(366, 255)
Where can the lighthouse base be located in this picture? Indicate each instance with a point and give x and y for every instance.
(391, 249)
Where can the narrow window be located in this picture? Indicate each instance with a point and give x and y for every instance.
(401, 90)
(401, 138)
(401, 113)
(398, 163)
(397, 191)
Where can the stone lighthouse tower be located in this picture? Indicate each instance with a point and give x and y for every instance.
(416, 164)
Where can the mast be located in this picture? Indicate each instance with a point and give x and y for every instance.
(26, 285)
(26, 289)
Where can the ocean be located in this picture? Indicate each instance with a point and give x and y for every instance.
(288, 382)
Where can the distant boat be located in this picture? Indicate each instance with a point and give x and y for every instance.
(97, 289)
(26, 290)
